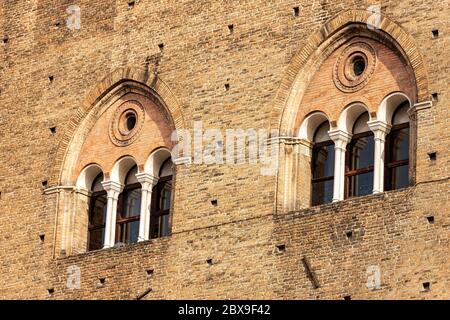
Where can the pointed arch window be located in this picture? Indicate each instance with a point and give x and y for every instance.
(397, 150)
(161, 202)
(322, 166)
(97, 215)
(359, 164)
(129, 209)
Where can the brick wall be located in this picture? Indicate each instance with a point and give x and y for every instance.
(241, 233)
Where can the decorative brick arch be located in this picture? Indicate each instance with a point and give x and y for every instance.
(321, 44)
(86, 114)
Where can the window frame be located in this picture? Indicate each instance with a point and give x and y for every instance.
(314, 181)
(92, 200)
(389, 165)
(157, 213)
(355, 172)
(120, 221)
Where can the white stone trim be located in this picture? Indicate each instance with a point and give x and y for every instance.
(283, 139)
(147, 181)
(380, 129)
(423, 105)
(58, 189)
(341, 139)
(182, 161)
(113, 190)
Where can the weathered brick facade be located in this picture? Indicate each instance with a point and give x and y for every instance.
(271, 71)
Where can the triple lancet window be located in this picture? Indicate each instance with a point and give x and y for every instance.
(369, 157)
(134, 207)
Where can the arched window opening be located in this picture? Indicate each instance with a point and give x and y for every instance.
(322, 166)
(97, 215)
(129, 209)
(161, 202)
(397, 150)
(360, 160)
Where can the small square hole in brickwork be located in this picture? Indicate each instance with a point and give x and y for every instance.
(209, 262)
(161, 46)
(435, 97)
(430, 219)
(45, 184)
(227, 86)
(51, 78)
(149, 272)
(435, 33)
(214, 202)
(42, 237)
(426, 286)
(348, 298)
(230, 28)
(131, 4)
(102, 281)
(432, 156)
(281, 248)
(0, 195)
(50, 291)
(296, 11)
(349, 235)
(5, 40)
(53, 130)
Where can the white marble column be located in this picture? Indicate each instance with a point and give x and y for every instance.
(340, 139)
(380, 129)
(148, 182)
(113, 190)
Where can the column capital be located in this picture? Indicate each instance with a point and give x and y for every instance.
(421, 105)
(112, 186)
(339, 137)
(147, 178)
(379, 128)
(284, 139)
(339, 134)
(306, 143)
(182, 160)
(83, 191)
(58, 189)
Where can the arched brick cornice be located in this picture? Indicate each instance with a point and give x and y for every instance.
(317, 47)
(86, 114)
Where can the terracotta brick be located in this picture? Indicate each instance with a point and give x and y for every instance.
(268, 51)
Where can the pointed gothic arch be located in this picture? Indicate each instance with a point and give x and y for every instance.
(345, 28)
(123, 80)
(322, 43)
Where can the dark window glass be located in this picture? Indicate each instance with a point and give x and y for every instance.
(129, 210)
(359, 65)
(131, 122)
(96, 238)
(322, 192)
(322, 166)
(97, 216)
(360, 152)
(323, 161)
(397, 158)
(161, 203)
(360, 184)
(359, 162)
